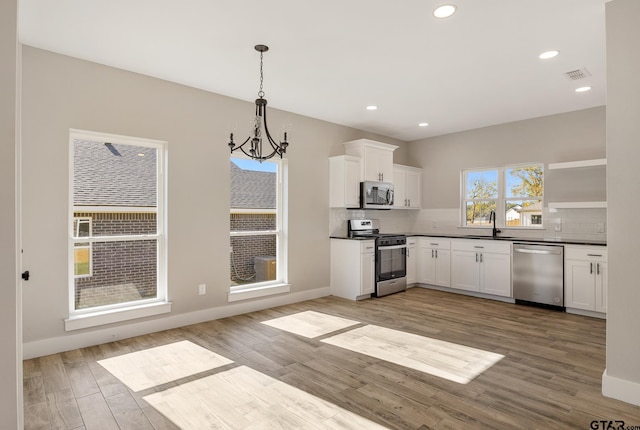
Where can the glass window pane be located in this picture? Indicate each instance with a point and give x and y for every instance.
(123, 271)
(82, 260)
(523, 213)
(254, 208)
(253, 259)
(481, 185)
(478, 212)
(524, 182)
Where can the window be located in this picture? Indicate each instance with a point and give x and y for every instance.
(82, 250)
(515, 193)
(116, 223)
(257, 252)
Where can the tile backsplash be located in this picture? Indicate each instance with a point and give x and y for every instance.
(583, 224)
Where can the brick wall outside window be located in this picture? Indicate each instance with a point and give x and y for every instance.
(247, 247)
(123, 270)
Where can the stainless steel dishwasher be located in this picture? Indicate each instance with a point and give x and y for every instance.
(538, 274)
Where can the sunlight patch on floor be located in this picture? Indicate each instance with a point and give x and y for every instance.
(443, 359)
(156, 366)
(310, 324)
(243, 398)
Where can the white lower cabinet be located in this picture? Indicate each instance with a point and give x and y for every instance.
(434, 256)
(412, 261)
(481, 266)
(353, 268)
(585, 278)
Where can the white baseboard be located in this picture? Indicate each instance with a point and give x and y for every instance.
(620, 389)
(39, 348)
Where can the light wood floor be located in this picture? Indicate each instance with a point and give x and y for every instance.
(549, 377)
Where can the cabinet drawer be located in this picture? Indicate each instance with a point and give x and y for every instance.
(367, 246)
(411, 241)
(591, 253)
(481, 246)
(435, 242)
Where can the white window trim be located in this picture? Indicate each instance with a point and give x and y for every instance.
(280, 285)
(96, 316)
(501, 198)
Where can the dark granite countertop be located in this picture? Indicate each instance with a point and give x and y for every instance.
(501, 238)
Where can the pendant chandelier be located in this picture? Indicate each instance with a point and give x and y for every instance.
(252, 146)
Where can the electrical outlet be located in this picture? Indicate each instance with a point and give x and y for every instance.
(202, 289)
(557, 227)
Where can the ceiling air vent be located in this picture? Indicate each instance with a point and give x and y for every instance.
(577, 74)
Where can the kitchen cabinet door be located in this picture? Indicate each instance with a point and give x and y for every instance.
(413, 187)
(399, 187)
(601, 287)
(443, 267)
(580, 285)
(495, 274)
(368, 272)
(344, 182)
(412, 261)
(465, 271)
(378, 164)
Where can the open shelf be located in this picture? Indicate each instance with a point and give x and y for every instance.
(578, 164)
(576, 205)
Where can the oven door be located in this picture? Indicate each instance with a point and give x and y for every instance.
(391, 262)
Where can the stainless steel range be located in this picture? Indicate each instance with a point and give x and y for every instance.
(391, 256)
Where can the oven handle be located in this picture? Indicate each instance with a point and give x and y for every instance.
(380, 248)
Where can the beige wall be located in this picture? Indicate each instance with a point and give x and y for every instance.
(62, 93)
(10, 364)
(570, 136)
(622, 379)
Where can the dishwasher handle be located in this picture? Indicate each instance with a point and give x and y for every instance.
(538, 251)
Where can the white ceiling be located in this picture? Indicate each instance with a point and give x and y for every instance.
(330, 59)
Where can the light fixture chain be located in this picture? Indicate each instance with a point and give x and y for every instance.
(261, 93)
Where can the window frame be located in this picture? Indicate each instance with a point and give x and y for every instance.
(106, 314)
(280, 284)
(501, 198)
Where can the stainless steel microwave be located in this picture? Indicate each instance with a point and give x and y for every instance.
(376, 195)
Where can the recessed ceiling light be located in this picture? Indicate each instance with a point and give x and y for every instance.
(548, 54)
(423, 124)
(582, 89)
(444, 11)
(372, 107)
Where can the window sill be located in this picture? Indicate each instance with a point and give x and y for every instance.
(258, 291)
(94, 319)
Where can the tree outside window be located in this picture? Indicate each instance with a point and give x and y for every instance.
(516, 189)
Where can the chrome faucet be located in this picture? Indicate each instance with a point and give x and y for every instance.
(492, 217)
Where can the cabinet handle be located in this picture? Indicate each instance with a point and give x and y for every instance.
(405, 202)
(481, 258)
(594, 255)
(476, 257)
(432, 253)
(408, 253)
(479, 247)
(598, 268)
(590, 268)
(436, 253)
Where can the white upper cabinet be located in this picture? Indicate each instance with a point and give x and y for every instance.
(376, 157)
(407, 187)
(344, 178)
